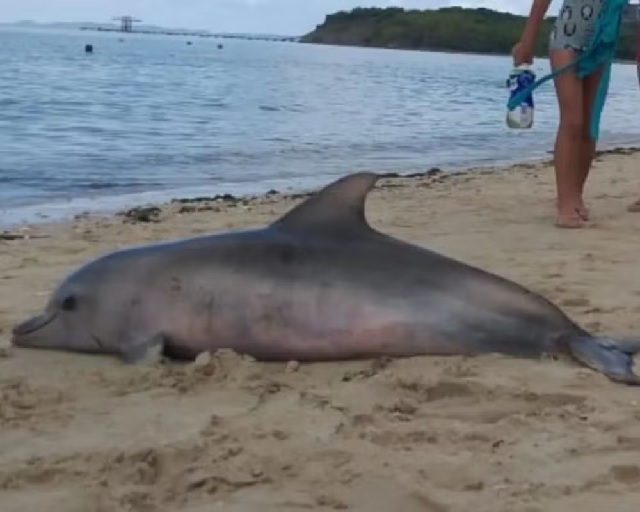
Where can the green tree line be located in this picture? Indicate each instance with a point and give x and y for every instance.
(448, 29)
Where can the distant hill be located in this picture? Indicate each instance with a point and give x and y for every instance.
(448, 29)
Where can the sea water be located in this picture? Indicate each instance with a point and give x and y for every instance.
(147, 118)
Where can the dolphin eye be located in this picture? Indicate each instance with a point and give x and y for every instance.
(69, 303)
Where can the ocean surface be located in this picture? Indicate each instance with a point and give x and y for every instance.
(148, 118)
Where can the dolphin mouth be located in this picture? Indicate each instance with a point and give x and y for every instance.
(32, 325)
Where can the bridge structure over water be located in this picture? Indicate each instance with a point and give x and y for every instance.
(126, 25)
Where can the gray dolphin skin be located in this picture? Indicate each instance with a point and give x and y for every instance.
(318, 284)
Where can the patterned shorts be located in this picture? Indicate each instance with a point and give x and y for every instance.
(575, 24)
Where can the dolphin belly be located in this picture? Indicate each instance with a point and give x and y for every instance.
(315, 312)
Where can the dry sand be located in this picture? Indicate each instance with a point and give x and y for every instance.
(85, 433)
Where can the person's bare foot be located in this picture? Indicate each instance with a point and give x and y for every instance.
(634, 207)
(582, 210)
(571, 219)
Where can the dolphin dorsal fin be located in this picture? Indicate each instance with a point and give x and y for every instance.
(338, 207)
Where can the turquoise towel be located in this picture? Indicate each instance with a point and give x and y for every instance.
(599, 52)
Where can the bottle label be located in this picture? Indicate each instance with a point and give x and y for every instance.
(520, 80)
(522, 115)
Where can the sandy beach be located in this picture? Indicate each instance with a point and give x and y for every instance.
(86, 433)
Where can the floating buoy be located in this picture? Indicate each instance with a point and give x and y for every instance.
(220, 47)
(88, 48)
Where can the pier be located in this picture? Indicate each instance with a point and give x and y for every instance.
(126, 25)
(248, 37)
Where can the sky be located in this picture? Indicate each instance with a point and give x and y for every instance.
(285, 17)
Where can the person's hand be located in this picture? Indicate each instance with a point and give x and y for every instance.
(522, 53)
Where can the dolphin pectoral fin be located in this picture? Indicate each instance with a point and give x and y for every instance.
(613, 359)
(146, 351)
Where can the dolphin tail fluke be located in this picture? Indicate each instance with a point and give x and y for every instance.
(613, 358)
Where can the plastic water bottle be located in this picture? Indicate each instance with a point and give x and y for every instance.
(519, 79)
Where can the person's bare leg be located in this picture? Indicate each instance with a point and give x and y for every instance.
(568, 146)
(635, 207)
(587, 153)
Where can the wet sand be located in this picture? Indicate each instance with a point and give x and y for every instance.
(86, 433)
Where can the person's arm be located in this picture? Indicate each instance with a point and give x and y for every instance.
(536, 15)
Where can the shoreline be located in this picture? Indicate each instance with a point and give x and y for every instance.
(140, 210)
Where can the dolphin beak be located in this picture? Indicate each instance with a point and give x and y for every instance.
(22, 331)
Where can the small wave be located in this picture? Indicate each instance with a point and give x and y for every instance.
(123, 185)
(268, 108)
(283, 108)
(215, 104)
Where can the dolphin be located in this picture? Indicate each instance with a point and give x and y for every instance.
(317, 284)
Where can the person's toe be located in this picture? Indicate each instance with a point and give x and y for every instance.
(583, 211)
